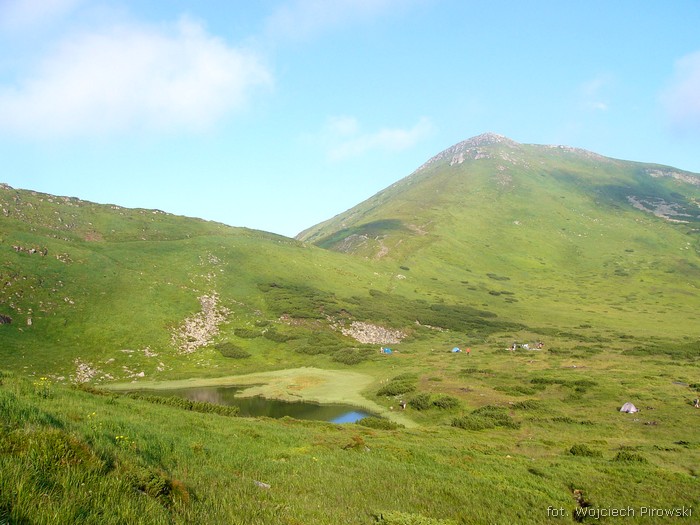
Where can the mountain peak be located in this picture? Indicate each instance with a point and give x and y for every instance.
(474, 147)
(487, 139)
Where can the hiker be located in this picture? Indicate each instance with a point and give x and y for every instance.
(402, 404)
(696, 403)
(469, 351)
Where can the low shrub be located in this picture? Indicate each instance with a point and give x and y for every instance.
(488, 416)
(472, 371)
(473, 422)
(545, 381)
(379, 423)
(156, 484)
(396, 388)
(408, 376)
(246, 333)
(401, 384)
(528, 404)
(277, 337)
(420, 402)
(352, 356)
(629, 457)
(516, 390)
(563, 419)
(446, 402)
(581, 449)
(231, 350)
(186, 404)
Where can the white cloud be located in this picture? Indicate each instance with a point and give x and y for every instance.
(132, 77)
(343, 126)
(346, 140)
(17, 15)
(592, 93)
(305, 18)
(682, 98)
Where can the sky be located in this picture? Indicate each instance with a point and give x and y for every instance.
(279, 114)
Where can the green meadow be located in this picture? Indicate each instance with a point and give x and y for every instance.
(488, 244)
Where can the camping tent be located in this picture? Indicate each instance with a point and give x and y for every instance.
(455, 350)
(386, 350)
(629, 408)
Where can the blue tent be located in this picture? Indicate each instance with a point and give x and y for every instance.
(386, 350)
(455, 350)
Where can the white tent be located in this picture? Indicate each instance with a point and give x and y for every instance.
(629, 408)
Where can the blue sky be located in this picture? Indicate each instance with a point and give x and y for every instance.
(279, 114)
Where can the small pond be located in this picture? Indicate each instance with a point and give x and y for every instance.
(261, 406)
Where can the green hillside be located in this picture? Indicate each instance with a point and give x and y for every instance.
(487, 244)
(546, 235)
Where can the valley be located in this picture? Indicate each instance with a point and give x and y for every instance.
(488, 244)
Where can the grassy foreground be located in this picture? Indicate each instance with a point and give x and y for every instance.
(514, 243)
(529, 433)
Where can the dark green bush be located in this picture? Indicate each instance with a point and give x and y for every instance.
(274, 335)
(420, 402)
(352, 356)
(581, 449)
(498, 414)
(229, 349)
(379, 423)
(446, 402)
(407, 376)
(472, 422)
(156, 484)
(516, 390)
(247, 333)
(544, 381)
(396, 388)
(186, 404)
(298, 300)
(528, 404)
(563, 419)
(629, 457)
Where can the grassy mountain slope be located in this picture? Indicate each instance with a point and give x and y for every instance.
(91, 283)
(488, 243)
(68, 455)
(97, 292)
(550, 235)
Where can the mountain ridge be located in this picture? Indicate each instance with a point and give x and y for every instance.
(522, 236)
(509, 153)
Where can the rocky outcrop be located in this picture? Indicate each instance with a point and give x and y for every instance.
(670, 211)
(372, 334)
(199, 329)
(474, 148)
(84, 372)
(673, 174)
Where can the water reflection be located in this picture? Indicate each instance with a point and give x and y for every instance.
(260, 406)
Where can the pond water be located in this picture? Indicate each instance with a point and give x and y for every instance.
(261, 406)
